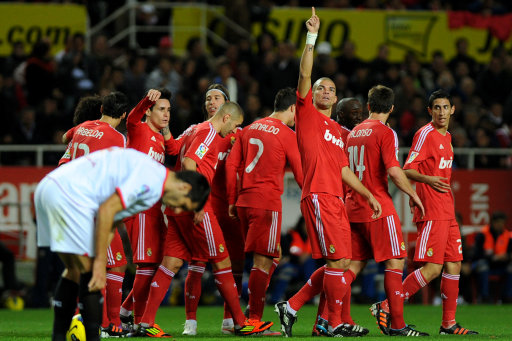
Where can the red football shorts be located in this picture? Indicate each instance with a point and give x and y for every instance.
(234, 235)
(380, 239)
(327, 225)
(115, 252)
(147, 235)
(203, 242)
(263, 230)
(438, 241)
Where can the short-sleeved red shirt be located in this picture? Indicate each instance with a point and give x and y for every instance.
(372, 149)
(261, 153)
(321, 149)
(432, 154)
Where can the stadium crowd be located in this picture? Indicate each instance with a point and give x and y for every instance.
(39, 90)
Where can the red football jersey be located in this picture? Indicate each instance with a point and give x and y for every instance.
(344, 136)
(432, 154)
(321, 149)
(261, 153)
(224, 147)
(372, 149)
(91, 136)
(199, 142)
(140, 136)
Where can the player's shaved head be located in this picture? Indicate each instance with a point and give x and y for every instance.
(231, 108)
(320, 80)
(349, 112)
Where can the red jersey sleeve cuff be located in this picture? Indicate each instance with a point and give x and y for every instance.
(118, 191)
(165, 180)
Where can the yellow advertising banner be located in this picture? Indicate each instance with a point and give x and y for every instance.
(29, 23)
(420, 31)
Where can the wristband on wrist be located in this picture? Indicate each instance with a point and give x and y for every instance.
(311, 38)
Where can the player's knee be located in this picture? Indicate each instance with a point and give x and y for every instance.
(72, 273)
(172, 263)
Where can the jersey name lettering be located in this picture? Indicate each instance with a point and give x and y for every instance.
(265, 127)
(361, 133)
(330, 137)
(89, 132)
(160, 157)
(445, 163)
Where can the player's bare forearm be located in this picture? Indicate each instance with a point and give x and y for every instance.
(102, 239)
(438, 183)
(353, 182)
(189, 164)
(401, 181)
(306, 61)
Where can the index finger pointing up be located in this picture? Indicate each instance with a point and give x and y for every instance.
(313, 11)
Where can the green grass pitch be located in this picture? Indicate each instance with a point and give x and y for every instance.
(492, 321)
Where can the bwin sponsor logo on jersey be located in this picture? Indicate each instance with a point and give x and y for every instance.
(335, 140)
(445, 163)
(160, 157)
(223, 155)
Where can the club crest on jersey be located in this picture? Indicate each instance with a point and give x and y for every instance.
(149, 252)
(201, 150)
(221, 248)
(119, 256)
(430, 252)
(412, 156)
(332, 249)
(233, 140)
(402, 246)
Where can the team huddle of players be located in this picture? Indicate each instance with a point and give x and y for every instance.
(342, 168)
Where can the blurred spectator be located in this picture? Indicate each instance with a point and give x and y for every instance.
(483, 139)
(380, 65)
(135, 79)
(165, 76)
(225, 77)
(463, 57)
(493, 252)
(494, 83)
(77, 72)
(348, 62)
(39, 73)
(17, 57)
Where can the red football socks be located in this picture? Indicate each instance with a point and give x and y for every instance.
(414, 282)
(226, 286)
(449, 293)
(114, 296)
(312, 288)
(394, 292)
(258, 280)
(159, 286)
(143, 277)
(193, 289)
(335, 287)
